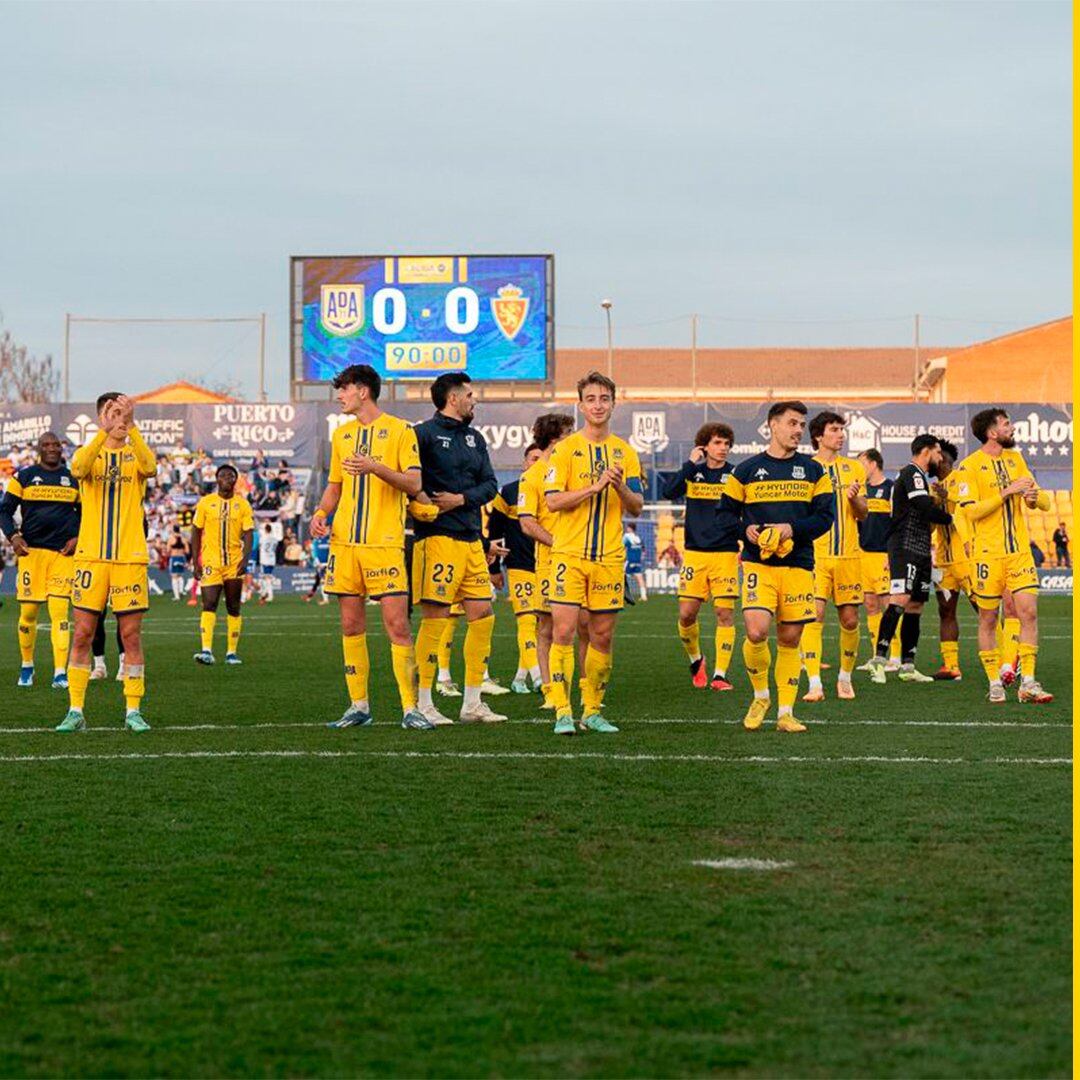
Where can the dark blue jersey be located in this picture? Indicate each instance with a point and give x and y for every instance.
(503, 525)
(795, 491)
(49, 501)
(708, 526)
(874, 528)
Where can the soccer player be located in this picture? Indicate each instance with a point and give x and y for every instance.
(320, 554)
(992, 483)
(374, 467)
(47, 496)
(784, 501)
(111, 554)
(178, 557)
(634, 551)
(837, 558)
(710, 569)
(520, 564)
(221, 538)
(952, 565)
(267, 561)
(538, 523)
(914, 512)
(873, 538)
(449, 563)
(593, 477)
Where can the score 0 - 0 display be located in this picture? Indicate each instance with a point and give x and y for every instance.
(414, 317)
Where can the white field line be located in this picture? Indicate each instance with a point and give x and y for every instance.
(742, 864)
(315, 725)
(515, 755)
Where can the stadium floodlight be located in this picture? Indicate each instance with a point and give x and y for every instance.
(607, 305)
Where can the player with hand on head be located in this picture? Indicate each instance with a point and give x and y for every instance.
(374, 470)
(46, 496)
(915, 510)
(538, 523)
(873, 543)
(635, 570)
(268, 544)
(111, 555)
(504, 526)
(993, 485)
(783, 501)
(178, 560)
(837, 558)
(710, 569)
(221, 539)
(593, 477)
(449, 563)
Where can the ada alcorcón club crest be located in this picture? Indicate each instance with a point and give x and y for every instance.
(341, 309)
(510, 308)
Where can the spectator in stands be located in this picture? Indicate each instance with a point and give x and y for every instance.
(1061, 545)
(670, 558)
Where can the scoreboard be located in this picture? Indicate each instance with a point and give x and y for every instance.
(416, 316)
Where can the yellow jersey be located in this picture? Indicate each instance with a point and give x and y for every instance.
(842, 539)
(1003, 531)
(370, 512)
(951, 541)
(593, 529)
(111, 488)
(531, 501)
(223, 523)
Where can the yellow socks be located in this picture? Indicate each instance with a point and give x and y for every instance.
(725, 646)
(27, 631)
(562, 675)
(78, 680)
(59, 631)
(756, 658)
(526, 639)
(233, 624)
(811, 650)
(849, 649)
(1027, 657)
(690, 636)
(788, 669)
(447, 627)
(895, 649)
(1010, 643)
(134, 685)
(207, 622)
(404, 661)
(873, 627)
(597, 675)
(357, 667)
(477, 649)
(950, 654)
(989, 658)
(428, 646)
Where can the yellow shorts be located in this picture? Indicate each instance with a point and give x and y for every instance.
(995, 574)
(955, 577)
(595, 586)
(523, 591)
(875, 572)
(543, 579)
(785, 591)
(359, 570)
(43, 573)
(839, 580)
(446, 570)
(218, 575)
(123, 586)
(710, 575)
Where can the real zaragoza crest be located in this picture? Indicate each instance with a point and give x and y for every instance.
(510, 308)
(341, 309)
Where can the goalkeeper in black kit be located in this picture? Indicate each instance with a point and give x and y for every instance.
(915, 511)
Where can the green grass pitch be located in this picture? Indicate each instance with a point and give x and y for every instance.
(243, 892)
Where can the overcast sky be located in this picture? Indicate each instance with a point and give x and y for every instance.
(765, 161)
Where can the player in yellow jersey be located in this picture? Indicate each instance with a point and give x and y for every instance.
(992, 483)
(593, 477)
(838, 574)
(538, 523)
(111, 554)
(221, 538)
(374, 469)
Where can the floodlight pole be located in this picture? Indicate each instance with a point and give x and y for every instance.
(606, 305)
(915, 381)
(67, 356)
(262, 356)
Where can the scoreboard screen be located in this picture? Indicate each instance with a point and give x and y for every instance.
(414, 317)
